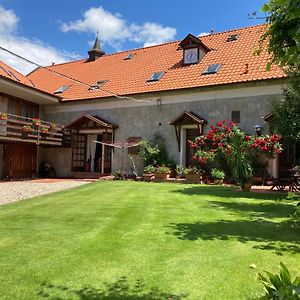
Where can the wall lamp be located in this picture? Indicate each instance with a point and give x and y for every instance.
(258, 128)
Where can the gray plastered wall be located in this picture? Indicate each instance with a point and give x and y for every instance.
(146, 120)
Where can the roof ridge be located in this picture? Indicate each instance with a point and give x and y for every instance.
(236, 29)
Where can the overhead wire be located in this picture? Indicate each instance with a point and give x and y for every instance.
(92, 87)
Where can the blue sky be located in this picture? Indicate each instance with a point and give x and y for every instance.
(47, 31)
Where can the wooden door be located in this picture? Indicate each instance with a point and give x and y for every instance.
(19, 161)
(78, 152)
(190, 136)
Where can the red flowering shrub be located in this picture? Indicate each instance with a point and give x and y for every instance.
(227, 140)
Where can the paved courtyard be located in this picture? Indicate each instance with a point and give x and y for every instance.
(12, 191)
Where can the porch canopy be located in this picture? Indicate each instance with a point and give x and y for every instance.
(186, 118)
(91, 124)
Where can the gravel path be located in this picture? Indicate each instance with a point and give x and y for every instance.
(13, 191)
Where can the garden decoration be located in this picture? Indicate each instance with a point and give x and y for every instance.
(227, 141)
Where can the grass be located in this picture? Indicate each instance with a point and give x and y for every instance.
(133, 240)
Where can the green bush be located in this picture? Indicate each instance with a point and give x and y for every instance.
(148, 153)
(280, 286)
(217, 174)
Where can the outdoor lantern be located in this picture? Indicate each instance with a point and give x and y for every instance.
(258, 128)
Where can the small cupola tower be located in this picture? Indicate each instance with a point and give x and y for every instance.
(96, 51)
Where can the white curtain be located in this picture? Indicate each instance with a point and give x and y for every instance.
(91, 150)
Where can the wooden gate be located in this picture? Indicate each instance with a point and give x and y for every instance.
(19, 161)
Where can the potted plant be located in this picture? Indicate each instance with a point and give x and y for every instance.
(217, 175)
(3, 116)
(25, 130)
(53, 126)
(148, 174)
(193, 174)
(118, 175)
(162, 172)
(44, 131)
(36, 122)
(180, 172)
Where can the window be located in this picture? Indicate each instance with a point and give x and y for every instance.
(129, 56)
(232, 37)
(62, 89)
(156, 76)
(212, 69)
(98, 85)
(236, 116)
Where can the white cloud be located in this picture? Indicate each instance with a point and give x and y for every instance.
(203, 34)
(115, 30)
(34, 50)
(8, 21)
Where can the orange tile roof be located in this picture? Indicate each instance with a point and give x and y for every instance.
(127, 77)
(10, 73)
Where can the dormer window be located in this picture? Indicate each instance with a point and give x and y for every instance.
(61, 89)
(156, 76)
(193, 49)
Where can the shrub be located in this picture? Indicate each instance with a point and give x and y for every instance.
(217, 174)
(149, 169)
(148, 153)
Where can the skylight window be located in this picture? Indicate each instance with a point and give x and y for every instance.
(98, 85)
(212, 69)
(129, 56)
(156, 76)
(62, 89)
(232, 37)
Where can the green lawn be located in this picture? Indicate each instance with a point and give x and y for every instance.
(134, 240)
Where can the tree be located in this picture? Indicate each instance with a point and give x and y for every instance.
(283, 35)
(283, 18)
(286, 112)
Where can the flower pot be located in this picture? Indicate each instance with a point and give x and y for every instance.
(246, 187)
(25, 134)
(193, 177)
(148, 177)
(162, 176)
(218, 181)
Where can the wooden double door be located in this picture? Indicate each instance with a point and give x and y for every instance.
(19, 161)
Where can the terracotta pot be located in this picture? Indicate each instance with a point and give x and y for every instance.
(193, 177)
(246, 187)
(218, 181)
(148, 177)
(164, 176)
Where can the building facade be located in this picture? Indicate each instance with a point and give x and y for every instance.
(175, 90)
